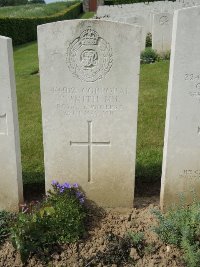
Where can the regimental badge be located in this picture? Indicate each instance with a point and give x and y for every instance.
(89, 57)
(164, 20)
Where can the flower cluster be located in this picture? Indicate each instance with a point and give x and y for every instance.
(66, 187)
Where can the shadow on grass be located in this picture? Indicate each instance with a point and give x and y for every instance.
(18, 47)
(148, 180)
(34, 186)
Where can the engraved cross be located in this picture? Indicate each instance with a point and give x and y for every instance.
(90, 144)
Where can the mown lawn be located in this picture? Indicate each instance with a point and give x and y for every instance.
(87, 15)
(151, 117)
(34, 10)
(151, 120)
(28, 95)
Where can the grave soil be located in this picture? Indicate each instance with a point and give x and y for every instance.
(104, 245)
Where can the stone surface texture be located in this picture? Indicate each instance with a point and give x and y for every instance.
(140, 21)
(11, 192)
(162, 32)
(181, 158)
(89, 89)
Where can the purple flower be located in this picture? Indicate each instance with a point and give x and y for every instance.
(54, 182)
(67, 185)
(75, 185)
(58, 185)
(81, 200)
(79, 194)
(62, 190)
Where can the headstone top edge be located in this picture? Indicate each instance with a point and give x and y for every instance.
(186, 9)
(85, 21)
(5, 38)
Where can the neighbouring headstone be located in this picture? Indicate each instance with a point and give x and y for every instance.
(181, 158)
(138, 20)
(162, 32)
(89, 91)
(11, 192)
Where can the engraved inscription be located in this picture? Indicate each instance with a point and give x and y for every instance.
(190, 174)
(3, 124)
(193, 81)
(89, 101)
(90, 144)
(164, 20)
(89, 56)
(192, 77)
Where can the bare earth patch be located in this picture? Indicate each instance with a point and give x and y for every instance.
(106, 231)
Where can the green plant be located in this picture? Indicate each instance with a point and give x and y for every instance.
(24, 29)
(34, 10)
(148, 56)
(164, 56)
(136, 238)
(36, 2)
(180, 226)
(149, 40)
(12, 2)
(6, 219)
(58, 219)
(138, 242)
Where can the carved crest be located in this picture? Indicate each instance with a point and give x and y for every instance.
(89, 57)
(164, 20)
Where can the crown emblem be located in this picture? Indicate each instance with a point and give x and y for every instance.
(89, 37)
(89, 56)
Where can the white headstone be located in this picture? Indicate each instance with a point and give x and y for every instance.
(89, 88)
(181, 159)
(11, 192)
(140, 21)
(162, 32)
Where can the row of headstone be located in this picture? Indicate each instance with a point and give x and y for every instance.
(154, 17)
(89, 95)
(144, 9)
(161, 29)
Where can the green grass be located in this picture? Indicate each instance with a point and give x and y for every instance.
(151, 117)
(87, 15)
(34, 10)
(28, 94)
(151, 120)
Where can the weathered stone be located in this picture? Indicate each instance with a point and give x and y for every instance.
(11, 192)
(181, 158)
(89, 89)
(140, 21)
(162, 32)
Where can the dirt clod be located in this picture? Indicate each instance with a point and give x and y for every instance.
(105, 244)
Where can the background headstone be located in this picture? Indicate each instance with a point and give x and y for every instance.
(144, 10)
(89, 88)
(162, 32)
(11, 192)
(181, 159)
(140, 21)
